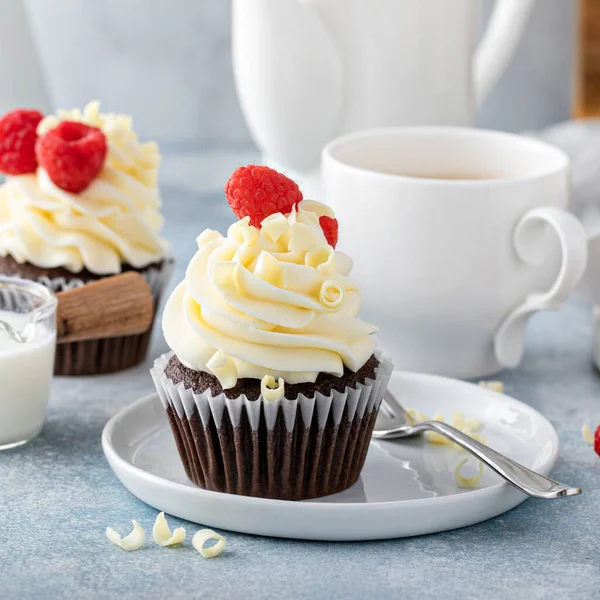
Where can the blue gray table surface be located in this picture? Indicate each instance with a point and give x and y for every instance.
(58, 495)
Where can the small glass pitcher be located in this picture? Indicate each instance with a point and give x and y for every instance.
(27, 347)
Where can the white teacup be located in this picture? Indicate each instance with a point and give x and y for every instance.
(458, 235)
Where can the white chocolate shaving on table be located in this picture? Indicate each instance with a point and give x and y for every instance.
(469, 426)
(271, 388)
(133, 541)
(467, 482)
(588, 436)
(494, 386)
(204, 535)
(163, 535)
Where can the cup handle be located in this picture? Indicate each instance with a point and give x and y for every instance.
(510, 337)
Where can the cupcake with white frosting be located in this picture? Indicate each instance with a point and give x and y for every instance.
(81, 202)
(274, 383)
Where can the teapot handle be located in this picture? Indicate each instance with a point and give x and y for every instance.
(505, 27)
(509, 339)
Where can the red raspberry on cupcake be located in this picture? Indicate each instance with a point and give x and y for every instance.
(257, 192)
(17, 141)
(329, 225)
(72, 154)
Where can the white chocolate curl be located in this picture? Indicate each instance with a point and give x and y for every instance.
(133, 541)
(467, 482)
(223, 367)
(163, 535)
(204, 535)
(588, 436)
(469, 426)
(331, 295)
(494, 386)
(271, 388)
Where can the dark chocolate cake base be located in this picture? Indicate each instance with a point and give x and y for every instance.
(90, 357)
(307, 462)
(200, 381)
(9, 266)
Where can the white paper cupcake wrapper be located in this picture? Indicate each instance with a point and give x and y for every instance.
(157, 278)
(284, 449)
(363, 399)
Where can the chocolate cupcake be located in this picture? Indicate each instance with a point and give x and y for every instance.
(274, 384)
(85, 206)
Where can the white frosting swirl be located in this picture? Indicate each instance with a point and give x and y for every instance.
(116, 220)
(272, 301)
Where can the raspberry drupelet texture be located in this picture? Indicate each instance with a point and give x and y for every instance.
(329, 225)
(17, 141)
(257, 191)
(72, 154)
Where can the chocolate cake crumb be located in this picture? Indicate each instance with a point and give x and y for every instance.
(200, 381)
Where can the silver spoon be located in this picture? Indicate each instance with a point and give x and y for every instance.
(394, 422)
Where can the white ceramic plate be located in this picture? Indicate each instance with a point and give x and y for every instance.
(407, 487)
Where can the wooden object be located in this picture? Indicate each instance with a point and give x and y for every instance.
(587, 92)
(115, 306)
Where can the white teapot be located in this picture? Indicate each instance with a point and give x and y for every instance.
(310, 70)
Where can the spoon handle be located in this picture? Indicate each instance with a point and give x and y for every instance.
(524, 479)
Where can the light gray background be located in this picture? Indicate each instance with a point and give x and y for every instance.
(168, 63)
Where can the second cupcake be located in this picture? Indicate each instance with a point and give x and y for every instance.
(274, 383)
(81, 202)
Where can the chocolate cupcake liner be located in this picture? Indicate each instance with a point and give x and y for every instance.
(107, 355)
(285, 449)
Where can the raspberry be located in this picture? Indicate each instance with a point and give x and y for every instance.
(72, 154)
(329, 226)
(257, 192)
(597, 441)
(17, 141)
